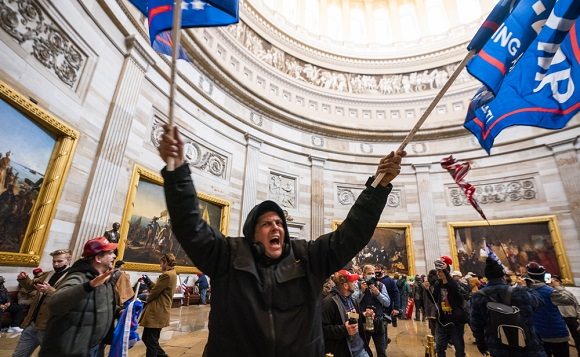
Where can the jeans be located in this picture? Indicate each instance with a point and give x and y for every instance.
(203, 295)
(151, 340)
(30, 339)
(361, 353)
(451, 333)
(379, 339)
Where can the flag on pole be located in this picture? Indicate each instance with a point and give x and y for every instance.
(194, 13)
(184, 285)
(458, 172)
(125, 334)
(164, 44)
(541, 90)
(495, 18)
(512, 38)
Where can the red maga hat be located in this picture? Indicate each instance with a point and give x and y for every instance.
(97, 245)
(348, 275)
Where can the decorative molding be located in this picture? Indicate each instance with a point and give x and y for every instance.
(197, 155)
(366, 148)
(497, 192)
(40, 36)
(282, 189)
(256, 119)
(343, 82)
(347, 195)
(206, 85)
(317, 141)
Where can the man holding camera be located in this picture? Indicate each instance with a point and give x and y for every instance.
(373, 295)
(342, 321)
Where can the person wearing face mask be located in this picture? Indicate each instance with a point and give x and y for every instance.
(373, 295)
(34, 323)
(266, 287)
(342, 319)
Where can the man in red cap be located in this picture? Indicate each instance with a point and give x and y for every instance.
(342, 320)
(82, 308)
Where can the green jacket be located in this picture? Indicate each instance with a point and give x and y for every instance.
(80, 316)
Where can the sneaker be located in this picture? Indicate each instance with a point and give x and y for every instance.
(15, 329)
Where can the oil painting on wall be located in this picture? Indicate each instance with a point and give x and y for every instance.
(515, 241)
(146, 231)
(391, 246)
(35, 154)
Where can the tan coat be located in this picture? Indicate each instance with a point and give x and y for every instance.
(157, 310)
(43, 314)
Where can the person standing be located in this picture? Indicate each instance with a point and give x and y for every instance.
(451, 315)
(158, 306)
(570, 313)
(83, 307)
(203, 286)
(264, 282)
(342, 319)
(417, 293)
(548, 321)
(35, 321)
(497, 290)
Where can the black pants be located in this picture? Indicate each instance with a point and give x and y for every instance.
(151, 340)
(573, 327)
(556, 349)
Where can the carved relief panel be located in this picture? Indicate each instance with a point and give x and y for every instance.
(282, 189)
(347, 195)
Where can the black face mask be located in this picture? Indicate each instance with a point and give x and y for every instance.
(58, 270)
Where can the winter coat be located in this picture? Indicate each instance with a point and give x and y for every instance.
(158, 307)
(458, 314)
(263, 307)
(38, 308)
(80, 316)
(548, 321)
(336, 337)
(523, 298)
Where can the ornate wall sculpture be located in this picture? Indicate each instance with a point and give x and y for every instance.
(39, 35)
(354, 83)
(346, 196)
(498, 192)
(282, 189)
(197, 155)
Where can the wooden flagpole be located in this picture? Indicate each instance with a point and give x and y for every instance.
(174, 55)
(428, 111)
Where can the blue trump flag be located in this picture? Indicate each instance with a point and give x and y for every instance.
(125, 334)
(164, 44)
(541, 90)
(495, 18)
(194, 13)
(512, 38)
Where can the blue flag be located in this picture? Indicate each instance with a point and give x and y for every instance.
(164, 44)
(125, 334)
(495, 18)
(513, 37)
(541, 90)
(194, 13)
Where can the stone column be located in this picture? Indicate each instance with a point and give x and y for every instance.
(250, 190)
(569, 167)
(112, 145)
(317, 197)
(428, 221)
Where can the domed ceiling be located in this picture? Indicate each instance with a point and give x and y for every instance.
(373, 29)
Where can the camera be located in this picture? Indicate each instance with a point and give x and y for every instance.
(352, 317)
(371, 281)
(352, 321)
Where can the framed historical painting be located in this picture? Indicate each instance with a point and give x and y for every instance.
(391, 246)
(146, 229)
(515, 241)
(36, 151)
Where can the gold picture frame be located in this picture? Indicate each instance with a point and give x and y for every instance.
(515, 241)
(36, 155)
(389, 237)
(145, 228)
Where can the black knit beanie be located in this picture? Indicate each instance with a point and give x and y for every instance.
(492, 269)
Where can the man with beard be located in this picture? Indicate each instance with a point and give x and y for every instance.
(266, 287)
(35, 321)
(82, 308)
(342, 320)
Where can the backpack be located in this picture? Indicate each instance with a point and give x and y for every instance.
(505, 322)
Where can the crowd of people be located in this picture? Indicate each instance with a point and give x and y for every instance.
(271, 295)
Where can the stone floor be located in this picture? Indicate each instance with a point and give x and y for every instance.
(187, 334)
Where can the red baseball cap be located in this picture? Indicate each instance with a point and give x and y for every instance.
(37, 271)
(446, 259)
(97, 245)
(348, 275)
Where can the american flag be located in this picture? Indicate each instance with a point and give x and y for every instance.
(458, 171)
(184, 285)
